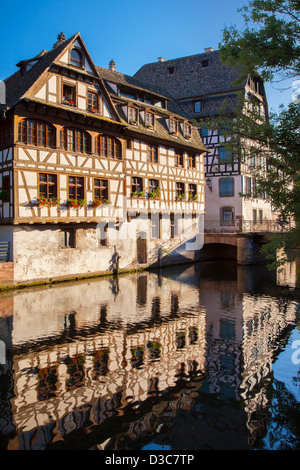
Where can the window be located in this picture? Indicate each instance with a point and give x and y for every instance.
(6, 188)
(179, 159)
(260, 212)
(155, 225)
(69, 95)
(173, 126)
(132, 115)
(192, 191)
(248, 185)
(47, 185)
(149, 120)
(39, 133)
(226, 187)
(204, 63)
(100, 189)
(198, 106)
(103, 234)
(67, 238)
(179, 189)
(76, 187)
(204, 132)
(171, 70)
(92, 102)
(153, 185)
(108, 146)
(173, 225)
(187, 130)
(227, 216)
(191, 161)
(137, 185)
(75, 140)
(254, 212)
(224, 156)
(152, 154)
(76, 57)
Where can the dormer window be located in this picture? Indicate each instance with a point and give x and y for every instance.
(187, 130)
(149, 120)
(198, 106)
(69, 95)
(173, 126)
(76, 58)
(132, 115)
(92, 102)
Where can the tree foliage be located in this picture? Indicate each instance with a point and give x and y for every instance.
(267, 46)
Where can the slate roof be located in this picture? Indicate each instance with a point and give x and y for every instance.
(161, 130)
(17, 84)
(191, 80)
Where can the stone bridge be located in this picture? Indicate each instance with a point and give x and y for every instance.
(241, 241)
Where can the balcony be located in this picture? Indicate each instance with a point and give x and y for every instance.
(246, 226)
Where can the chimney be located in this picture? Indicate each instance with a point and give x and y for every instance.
(60, 39)
(208, 49)
(112, 66)
(161, 59)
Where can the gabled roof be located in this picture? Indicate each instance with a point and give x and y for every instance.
(190, 77)
(110, 76)
(18, 84)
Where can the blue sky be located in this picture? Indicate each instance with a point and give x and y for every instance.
(130, 32)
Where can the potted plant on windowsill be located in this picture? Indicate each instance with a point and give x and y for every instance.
(180, 197)
(150, 127)
(137, 194)
(133, 122)
(93, 110)
(174, 133)
(187, 136)
(69, 103)
(76, 203)
(193, 197)
(154, 194)
(43, 201)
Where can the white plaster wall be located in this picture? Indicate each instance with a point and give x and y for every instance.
(213, 202)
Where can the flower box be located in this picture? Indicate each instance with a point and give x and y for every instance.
(137, 194)
(69, 103)
(154, 194)
(76, 203)
(48, 201)
(180, 197)
(99, 202)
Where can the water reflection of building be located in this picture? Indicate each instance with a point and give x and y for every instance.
(137, 351)
(99, 357)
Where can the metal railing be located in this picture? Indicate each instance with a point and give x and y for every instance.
(246, 226)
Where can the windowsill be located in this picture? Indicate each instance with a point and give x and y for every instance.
(68, 105)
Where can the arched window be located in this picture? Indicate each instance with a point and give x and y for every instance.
(75, 140)
(76, 57)
(107, 146)
(32, 132)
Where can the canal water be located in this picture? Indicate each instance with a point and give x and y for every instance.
(189, 358)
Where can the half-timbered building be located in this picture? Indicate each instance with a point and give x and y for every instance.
(98, 173)
(201, 84)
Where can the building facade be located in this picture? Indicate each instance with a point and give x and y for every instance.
(98, 174)
(201, 85)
